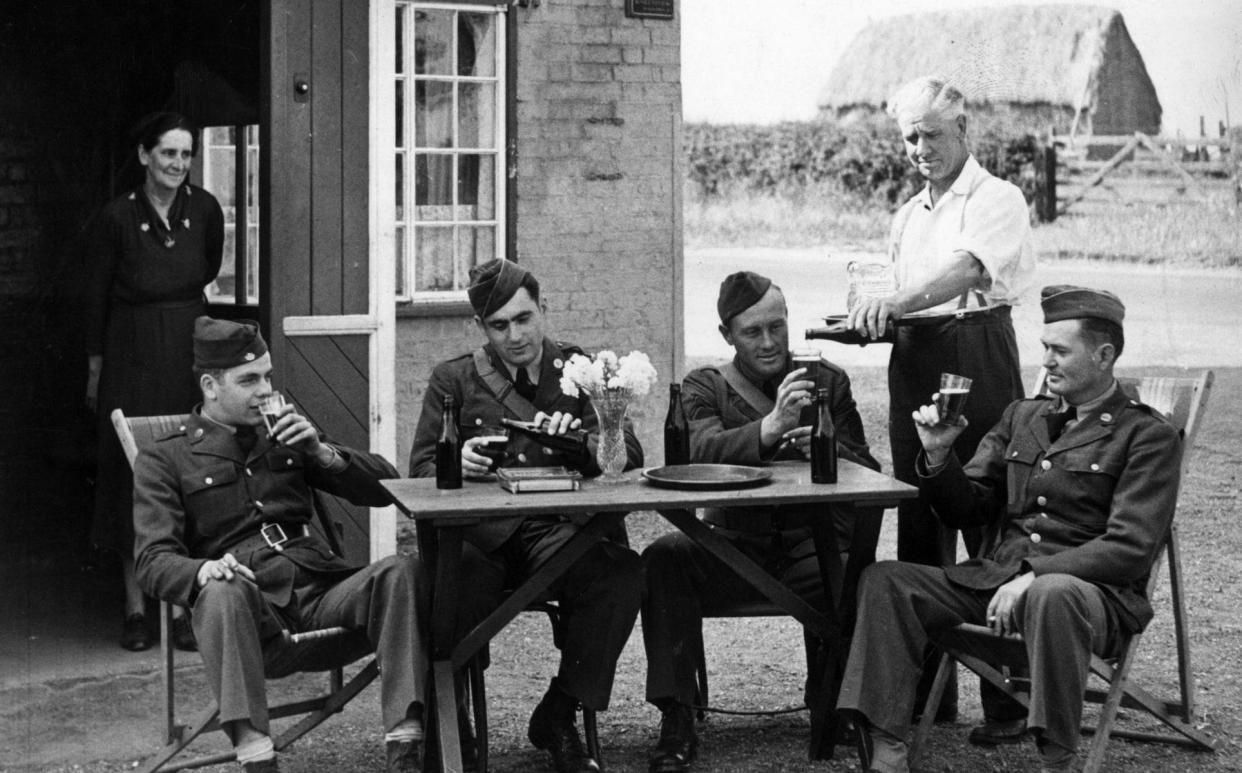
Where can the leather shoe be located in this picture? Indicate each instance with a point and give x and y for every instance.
(554, 732)
(997, 732)
(404, 756)
(678, 742)
(134, 634)
(261, 766)
(183, 635)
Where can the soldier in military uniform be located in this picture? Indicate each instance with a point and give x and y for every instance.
(1075, 492)
(222, 515)
(754, 409)
(516, 374)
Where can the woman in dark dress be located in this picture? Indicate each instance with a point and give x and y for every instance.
(155, 249)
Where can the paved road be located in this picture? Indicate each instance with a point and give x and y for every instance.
(1176, 317)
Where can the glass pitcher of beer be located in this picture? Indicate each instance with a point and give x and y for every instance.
(868, 280)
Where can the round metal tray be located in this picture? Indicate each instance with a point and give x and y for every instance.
(707, 476)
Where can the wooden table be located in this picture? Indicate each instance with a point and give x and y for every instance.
(451, 512)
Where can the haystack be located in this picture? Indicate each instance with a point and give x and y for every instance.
(1074, 67)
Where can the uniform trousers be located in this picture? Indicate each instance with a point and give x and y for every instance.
(238, 634)
(903, 606)
(983, 348)
(683, 579)
(598, 596)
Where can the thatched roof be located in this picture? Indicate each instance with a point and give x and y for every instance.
(1025, 54)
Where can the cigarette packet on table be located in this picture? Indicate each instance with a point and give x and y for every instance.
(520, 480)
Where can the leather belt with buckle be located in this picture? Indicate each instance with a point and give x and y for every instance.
(274, 535)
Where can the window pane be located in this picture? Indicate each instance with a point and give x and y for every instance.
(433, 41)
(400, 139)
(399, 253)
(433, 114)
(433, 186)
(433, 253)
(477, 103)
(219, 178)
(399, 50)
(475, 246)
(252, 264)
(476, 44)
(476, 187)
(400, 199)
(219, 135)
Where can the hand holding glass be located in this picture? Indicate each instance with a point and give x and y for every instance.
(493, 443)
(951, 400)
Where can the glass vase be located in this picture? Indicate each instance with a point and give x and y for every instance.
(610, 454)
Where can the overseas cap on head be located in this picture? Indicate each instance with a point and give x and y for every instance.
(1069, 302)
(220, 344)
(493, 284)
(738, 292)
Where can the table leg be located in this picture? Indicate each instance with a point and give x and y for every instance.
(773, 589)
(826, 672)
(534, 586)
(443, 555)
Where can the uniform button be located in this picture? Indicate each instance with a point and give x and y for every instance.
(1036, 538)
(258, 504)
(548, 451)
(1095, 467)
(1047, 465)
(1041, 501)
(209, 481)
(522, 458)
(249, 472)
(288, 462)
(1015, 453)
(1043, 515)
(1106, 417)
(478, 422)
(198, 432)
(181, 428)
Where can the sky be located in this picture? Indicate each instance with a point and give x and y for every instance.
(761, 61)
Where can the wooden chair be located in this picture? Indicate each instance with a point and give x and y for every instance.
(996, 658)
(139, 432)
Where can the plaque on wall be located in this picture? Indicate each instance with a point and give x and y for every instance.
(649, 9)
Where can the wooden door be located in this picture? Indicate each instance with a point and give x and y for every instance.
(326, 314)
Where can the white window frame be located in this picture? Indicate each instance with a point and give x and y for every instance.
(246, 158)
(405, 228)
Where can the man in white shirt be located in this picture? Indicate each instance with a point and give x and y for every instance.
(962, 255)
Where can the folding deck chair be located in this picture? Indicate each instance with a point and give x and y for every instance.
(139, 432)
(996, 658)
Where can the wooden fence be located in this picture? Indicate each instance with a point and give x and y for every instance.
(1082, 172)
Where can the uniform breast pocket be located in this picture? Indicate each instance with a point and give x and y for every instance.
(1020, 464)
(1089, 482)
(212, 496)
(475, 416)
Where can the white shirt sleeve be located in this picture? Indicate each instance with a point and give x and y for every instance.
(996, 230)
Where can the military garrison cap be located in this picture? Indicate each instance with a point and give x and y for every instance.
(494, 283)
(220, 344)
(738, 292)
(1069, 302)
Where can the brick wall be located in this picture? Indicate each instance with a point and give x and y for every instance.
(598, 187)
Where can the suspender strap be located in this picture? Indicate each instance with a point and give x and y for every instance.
(748, 391)
(501, 387)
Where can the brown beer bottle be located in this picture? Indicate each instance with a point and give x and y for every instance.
(823, 441)
(448, 448)
(676, 429)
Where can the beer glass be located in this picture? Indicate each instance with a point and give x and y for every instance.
(270, 409)
(493, 442)
(952, 397)
(809, 358)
